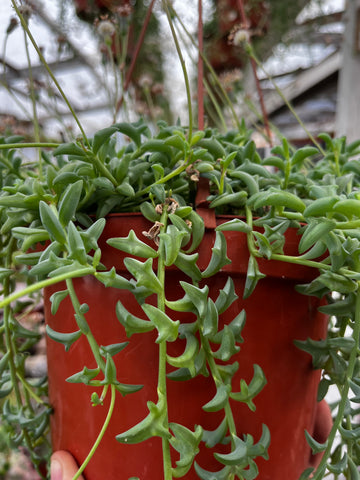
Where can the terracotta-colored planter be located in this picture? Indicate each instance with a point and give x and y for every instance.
(276, 315)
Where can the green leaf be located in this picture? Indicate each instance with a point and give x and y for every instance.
(349, 207)
(315, 446)
(67, 339)
(252, 277)
(263, 245)
(235, 225)
(149, 212)
(69, 149)
(197, 230)
(167, 328)
(213, 146)
(144, 274)
(198, 296)
(112, 349)
(222, 474)
(172, 240)
(69, 202)
(19, 200)
(50, 220)
(238, 456)
(244, 451)
(75, 269)
(248, 392)
(338, 283)
(226, 296)
(184, 304)
(249, 180)
(228, 346)
(219, 401)
(187, 264)
(315, 231)
(352, 435)
(188, 357)
(76, 246)
(113, 279)
(211, 319)
(178, 142)
(131, 323)
(56, 298)
(214, 437)
(125, 188)
(237, 199)
(186, 443)
(110, 371)
(152, 426)
(101, 137)
(228, 371)
(219, 256)
(302, 153)
(49, 265)
(133, 130)
(85, 376)
(320, 206)
(278, 198)
(183, 374)
(353, 470)
(159, 193)
(92, 234)
(339, 466)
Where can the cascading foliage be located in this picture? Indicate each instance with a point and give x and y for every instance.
(125, 169)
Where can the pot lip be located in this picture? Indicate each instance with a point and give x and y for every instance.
(139, 214)
(272, 268)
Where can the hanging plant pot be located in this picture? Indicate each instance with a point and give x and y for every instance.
(276, 315)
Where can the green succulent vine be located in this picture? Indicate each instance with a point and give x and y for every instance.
(124, 168)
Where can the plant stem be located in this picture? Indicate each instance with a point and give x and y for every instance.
(52, 76)
(216, 105)
(162, 388)
(30, 391)
(83, 325)
(7, 146)
(135, 56)
(344, 394)
(35, 119)
(213, 74)
(11, 346)
(44, 283)
(183, 66)
(200, 69)
(244, 20)
(101, 434)
(165, 179)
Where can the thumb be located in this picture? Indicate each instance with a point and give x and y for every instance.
(63, 466)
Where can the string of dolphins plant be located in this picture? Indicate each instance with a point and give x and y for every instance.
(157, 176)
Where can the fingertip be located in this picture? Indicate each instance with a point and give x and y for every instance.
(63, 466)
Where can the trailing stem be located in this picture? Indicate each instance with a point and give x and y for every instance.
(48, 69)
(42, 284)
(318, 475)
(101, 434)
(183, 66)
(83, 325)
(213, 74)
(161, 388)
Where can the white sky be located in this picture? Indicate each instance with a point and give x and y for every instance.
(80, 84)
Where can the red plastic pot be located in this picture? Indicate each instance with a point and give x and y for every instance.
(276, 316)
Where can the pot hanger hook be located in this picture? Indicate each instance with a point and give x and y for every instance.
(202, 204)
